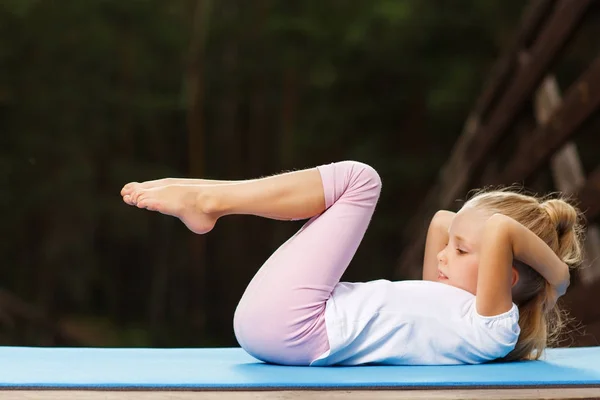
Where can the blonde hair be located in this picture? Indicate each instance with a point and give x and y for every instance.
(556, 222)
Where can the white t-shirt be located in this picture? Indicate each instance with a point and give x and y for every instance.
(412, 323)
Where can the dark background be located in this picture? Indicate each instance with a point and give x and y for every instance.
(97, 93)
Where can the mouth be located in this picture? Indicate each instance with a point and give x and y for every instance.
(441, 275)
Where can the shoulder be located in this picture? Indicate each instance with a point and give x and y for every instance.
(496, 335)
(505, 322)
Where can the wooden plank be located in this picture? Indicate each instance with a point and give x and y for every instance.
(431, 394)
(580, 102)
(589, 195)
(567, 169)
(534, 15)
(590, 269)
(456, 173)
(568, 173)
(552, 39)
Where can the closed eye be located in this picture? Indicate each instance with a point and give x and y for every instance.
(461, 251)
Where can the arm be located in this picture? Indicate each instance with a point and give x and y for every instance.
(437, 238)
(504, 240)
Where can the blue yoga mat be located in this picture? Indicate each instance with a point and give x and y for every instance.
(229, 368)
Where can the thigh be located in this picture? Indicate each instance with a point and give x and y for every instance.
(284, 303)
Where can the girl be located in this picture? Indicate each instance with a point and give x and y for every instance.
(492, 272)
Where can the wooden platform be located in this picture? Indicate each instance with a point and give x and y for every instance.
(535, 393)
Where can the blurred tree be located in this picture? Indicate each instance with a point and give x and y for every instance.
(195, 87)
(98, 93)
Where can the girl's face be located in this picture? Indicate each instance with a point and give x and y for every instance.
(458, 262)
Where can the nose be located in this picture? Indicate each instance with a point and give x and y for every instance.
(441, 256)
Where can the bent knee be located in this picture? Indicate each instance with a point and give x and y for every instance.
(271, 336)
(363, 178)
(258, 338)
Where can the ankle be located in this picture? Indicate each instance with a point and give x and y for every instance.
(209, 201)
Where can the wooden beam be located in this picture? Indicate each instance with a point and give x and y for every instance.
(580, 102)
(456, 173)
(551, 40)
(499, 393)
(589, 196)
(568, 173)
(533, 16)
(536, 13)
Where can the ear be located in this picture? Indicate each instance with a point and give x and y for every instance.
(514, 278)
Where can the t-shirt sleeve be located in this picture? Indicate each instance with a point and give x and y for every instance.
(498, 333)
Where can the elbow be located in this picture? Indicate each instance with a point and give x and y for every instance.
(442, 219)
(497, 238)
(500, 226)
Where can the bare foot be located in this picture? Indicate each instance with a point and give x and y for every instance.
(130, 187)
(185, 202)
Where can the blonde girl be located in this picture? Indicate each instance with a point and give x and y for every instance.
(492, 271)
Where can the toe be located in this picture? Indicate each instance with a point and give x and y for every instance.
(151, 205)
(127, 199)
(148, 203)
(135, 195)
(142, 201)
(127, 189)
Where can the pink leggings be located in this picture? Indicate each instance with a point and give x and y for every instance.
(281, 316)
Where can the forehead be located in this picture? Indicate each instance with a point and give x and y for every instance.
(469, 222)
